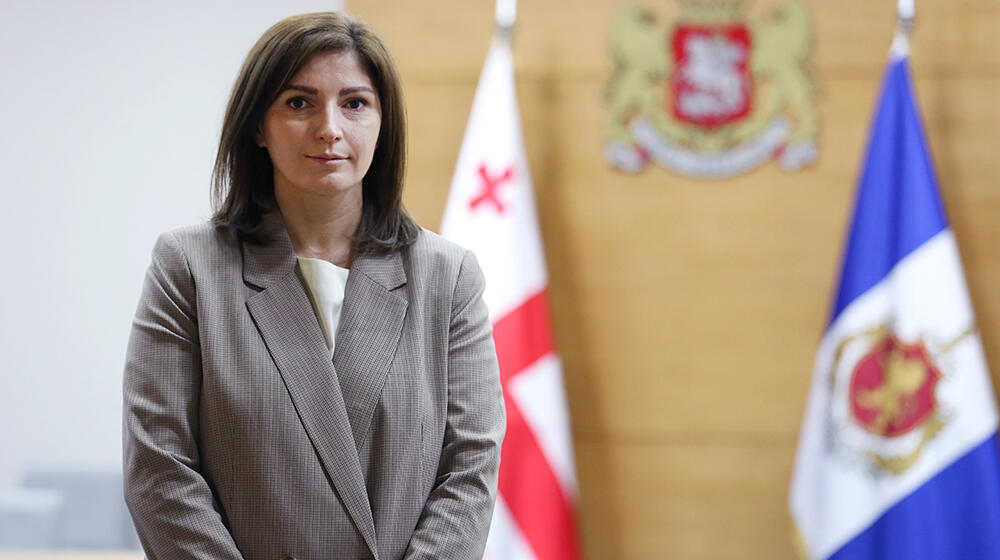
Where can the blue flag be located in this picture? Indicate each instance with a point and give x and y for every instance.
(898, 455)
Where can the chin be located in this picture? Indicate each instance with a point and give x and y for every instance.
(336, 187)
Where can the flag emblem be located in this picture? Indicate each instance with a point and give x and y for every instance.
(892, 387)
(715, 93)
(889, 410)
(490, 184)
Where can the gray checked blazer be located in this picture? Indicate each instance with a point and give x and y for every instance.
(242, 439)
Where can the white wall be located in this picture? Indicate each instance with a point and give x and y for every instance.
(109, 118)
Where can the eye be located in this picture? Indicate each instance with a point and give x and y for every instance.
(297, 102)
(356, 103)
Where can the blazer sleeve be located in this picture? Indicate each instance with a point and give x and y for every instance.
(172, 505)
(456, 517)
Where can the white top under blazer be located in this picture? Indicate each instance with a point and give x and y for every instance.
(327, 283)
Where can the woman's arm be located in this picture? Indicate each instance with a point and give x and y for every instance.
(172, 505)
(456, 518)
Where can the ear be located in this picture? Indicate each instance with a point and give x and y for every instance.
(258, 137)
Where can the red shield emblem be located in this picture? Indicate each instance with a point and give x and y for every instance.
(892, 388)
(711, 83)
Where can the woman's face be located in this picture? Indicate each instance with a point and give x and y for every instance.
(322, 129)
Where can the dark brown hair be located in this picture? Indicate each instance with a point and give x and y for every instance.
(243, 179)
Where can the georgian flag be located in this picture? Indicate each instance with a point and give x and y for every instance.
(898, 455)
(491, 210)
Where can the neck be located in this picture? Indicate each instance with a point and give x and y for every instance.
(321, 226)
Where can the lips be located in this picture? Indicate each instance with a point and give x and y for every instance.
(328, 159)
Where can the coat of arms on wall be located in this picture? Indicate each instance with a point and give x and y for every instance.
(714, 94)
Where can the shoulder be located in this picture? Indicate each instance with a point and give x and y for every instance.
(198, 239)
(437, 256)
(433, 247)
(442, 265)
(195, 250)
(199, 245)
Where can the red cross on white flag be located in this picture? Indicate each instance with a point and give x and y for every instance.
(490, 186)
(491, 210)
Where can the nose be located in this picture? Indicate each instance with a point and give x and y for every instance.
(329, 128)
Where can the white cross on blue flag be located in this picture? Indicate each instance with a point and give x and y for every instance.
(898, 455)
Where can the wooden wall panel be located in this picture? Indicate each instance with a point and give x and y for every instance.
(570, 40)
(687, 312)
(674, 490)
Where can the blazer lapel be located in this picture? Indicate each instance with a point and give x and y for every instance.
(287, 322)
(371, 323)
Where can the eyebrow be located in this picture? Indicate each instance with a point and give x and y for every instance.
(356, 89)
(306, 89)
(344, 91)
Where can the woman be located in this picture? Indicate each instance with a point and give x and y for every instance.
(311, 375)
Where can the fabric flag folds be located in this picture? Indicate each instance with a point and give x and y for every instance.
(491, 211)
(898, 455)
